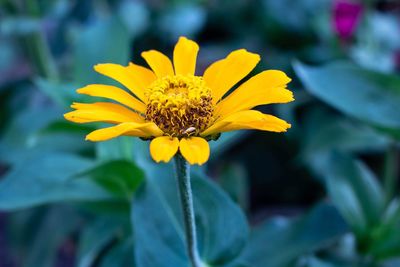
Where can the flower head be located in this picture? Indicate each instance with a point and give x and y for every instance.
(178, 110)
(346, 16)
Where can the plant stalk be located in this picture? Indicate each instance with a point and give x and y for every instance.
(37, 47)
(182, 169)
(391, 172)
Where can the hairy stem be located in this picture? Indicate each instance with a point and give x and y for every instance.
(185, 192)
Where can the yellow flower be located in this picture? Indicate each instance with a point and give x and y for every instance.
(178, 110)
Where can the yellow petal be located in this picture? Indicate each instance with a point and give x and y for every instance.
(107, 106)
(142, 76)
(185, 55)
(147, 129)
(265, 88)
(195, 150)
(224, 74)
(102, 111)
(163, 148)
(159, 63)
(248, 119)
(86, 116)
(135, 78)
(114, 93)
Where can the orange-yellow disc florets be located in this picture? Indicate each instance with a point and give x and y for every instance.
(181, 106)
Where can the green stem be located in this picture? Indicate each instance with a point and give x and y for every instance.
(391, 171)
(40, 56)
(182, 169)
(37, 47)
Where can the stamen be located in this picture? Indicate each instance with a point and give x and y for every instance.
(180, 105)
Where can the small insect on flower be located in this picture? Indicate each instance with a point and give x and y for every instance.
(178, 110)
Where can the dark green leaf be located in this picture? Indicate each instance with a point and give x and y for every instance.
(94, 239)
(226, 141)
(156, 218)
(356, 192)
(386, 237)
(315, 262)
(41, 178)
(120, 255)
(326, 132)
(28, 238)
(43, 248)
(120, 177)
(233, 180)
(279, 242)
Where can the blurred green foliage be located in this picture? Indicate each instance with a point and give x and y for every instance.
(323, 195)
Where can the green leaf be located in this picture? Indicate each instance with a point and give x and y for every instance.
(27, 238)
(117, 148)
(392, 263)
(366, 95)
(326, 132)
(120, 255)
(387, 246)
(386, 237)
(94, 239)
(20, 133)
(62, 94)
(20, 25)
(280, 242)
(47, 177)
(104, 41)
(233, 180)
(65, 136)
(315, 262)
(226, 141)
(355, 191)
(34, 130)
(157, 221)
(43, 248)
(119, 177)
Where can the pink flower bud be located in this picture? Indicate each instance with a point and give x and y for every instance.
(346, 16)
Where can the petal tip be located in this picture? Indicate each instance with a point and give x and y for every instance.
(256, 56)
(195, 150)
(145, 53)
(163, 148)
(97, 66)
(92, 138)
(67, 116)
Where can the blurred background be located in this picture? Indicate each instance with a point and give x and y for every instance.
(341, 152)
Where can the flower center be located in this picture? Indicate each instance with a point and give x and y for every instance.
(180, 105)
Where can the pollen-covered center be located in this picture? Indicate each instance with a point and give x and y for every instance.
(180, 105)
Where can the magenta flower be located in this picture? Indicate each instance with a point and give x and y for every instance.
(346, 16)
(397, 60)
